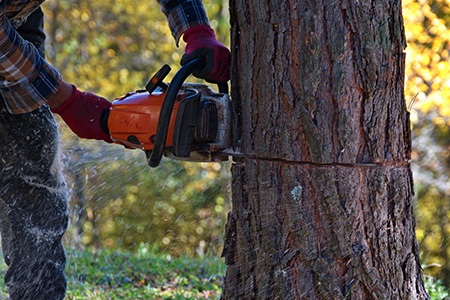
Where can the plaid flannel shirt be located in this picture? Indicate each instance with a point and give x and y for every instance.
(183, 14)
(27, 80)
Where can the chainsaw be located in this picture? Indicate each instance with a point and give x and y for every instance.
(183, 121)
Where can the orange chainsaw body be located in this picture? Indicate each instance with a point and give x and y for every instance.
(133, 119)
(179, 120)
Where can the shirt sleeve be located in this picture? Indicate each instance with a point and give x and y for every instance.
(26, 79)
(183, 14)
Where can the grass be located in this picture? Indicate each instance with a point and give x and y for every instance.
(106, 274)
(146, 275)
(436, 289)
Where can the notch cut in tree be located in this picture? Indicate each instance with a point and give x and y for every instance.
(324, 209)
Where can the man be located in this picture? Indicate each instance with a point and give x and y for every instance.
(33, 208)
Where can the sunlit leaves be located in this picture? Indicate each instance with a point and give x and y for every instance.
(113, 47)
(98, 40)
(427, 25)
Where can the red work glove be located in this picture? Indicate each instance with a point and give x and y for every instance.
(201, 42)
(83, 113)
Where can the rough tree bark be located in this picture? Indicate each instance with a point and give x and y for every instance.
(322, 207)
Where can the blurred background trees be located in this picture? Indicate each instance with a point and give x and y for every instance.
(427, 26)
(117, 201)
(113, 47)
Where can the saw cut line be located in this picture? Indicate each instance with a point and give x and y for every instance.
(400, 164)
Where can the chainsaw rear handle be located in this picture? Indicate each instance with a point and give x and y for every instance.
(223, 87)
(168, 104)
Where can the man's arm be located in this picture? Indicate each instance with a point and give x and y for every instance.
(26, 79)
(182, 15)
(188, 18)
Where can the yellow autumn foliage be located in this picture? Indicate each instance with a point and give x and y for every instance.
(427, 28)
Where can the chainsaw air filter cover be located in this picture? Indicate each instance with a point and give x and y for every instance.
(133, 119)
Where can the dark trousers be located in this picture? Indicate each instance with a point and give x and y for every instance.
(33, 206)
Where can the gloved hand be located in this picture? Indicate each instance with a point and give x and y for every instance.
(201, 42)
(83, 113)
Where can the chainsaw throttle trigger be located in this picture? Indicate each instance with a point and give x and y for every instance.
(157, 79)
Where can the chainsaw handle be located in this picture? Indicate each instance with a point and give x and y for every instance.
(223, 87)
(167, 107)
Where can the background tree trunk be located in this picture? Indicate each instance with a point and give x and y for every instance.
(323, 208)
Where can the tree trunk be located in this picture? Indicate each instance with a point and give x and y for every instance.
(322, 205)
